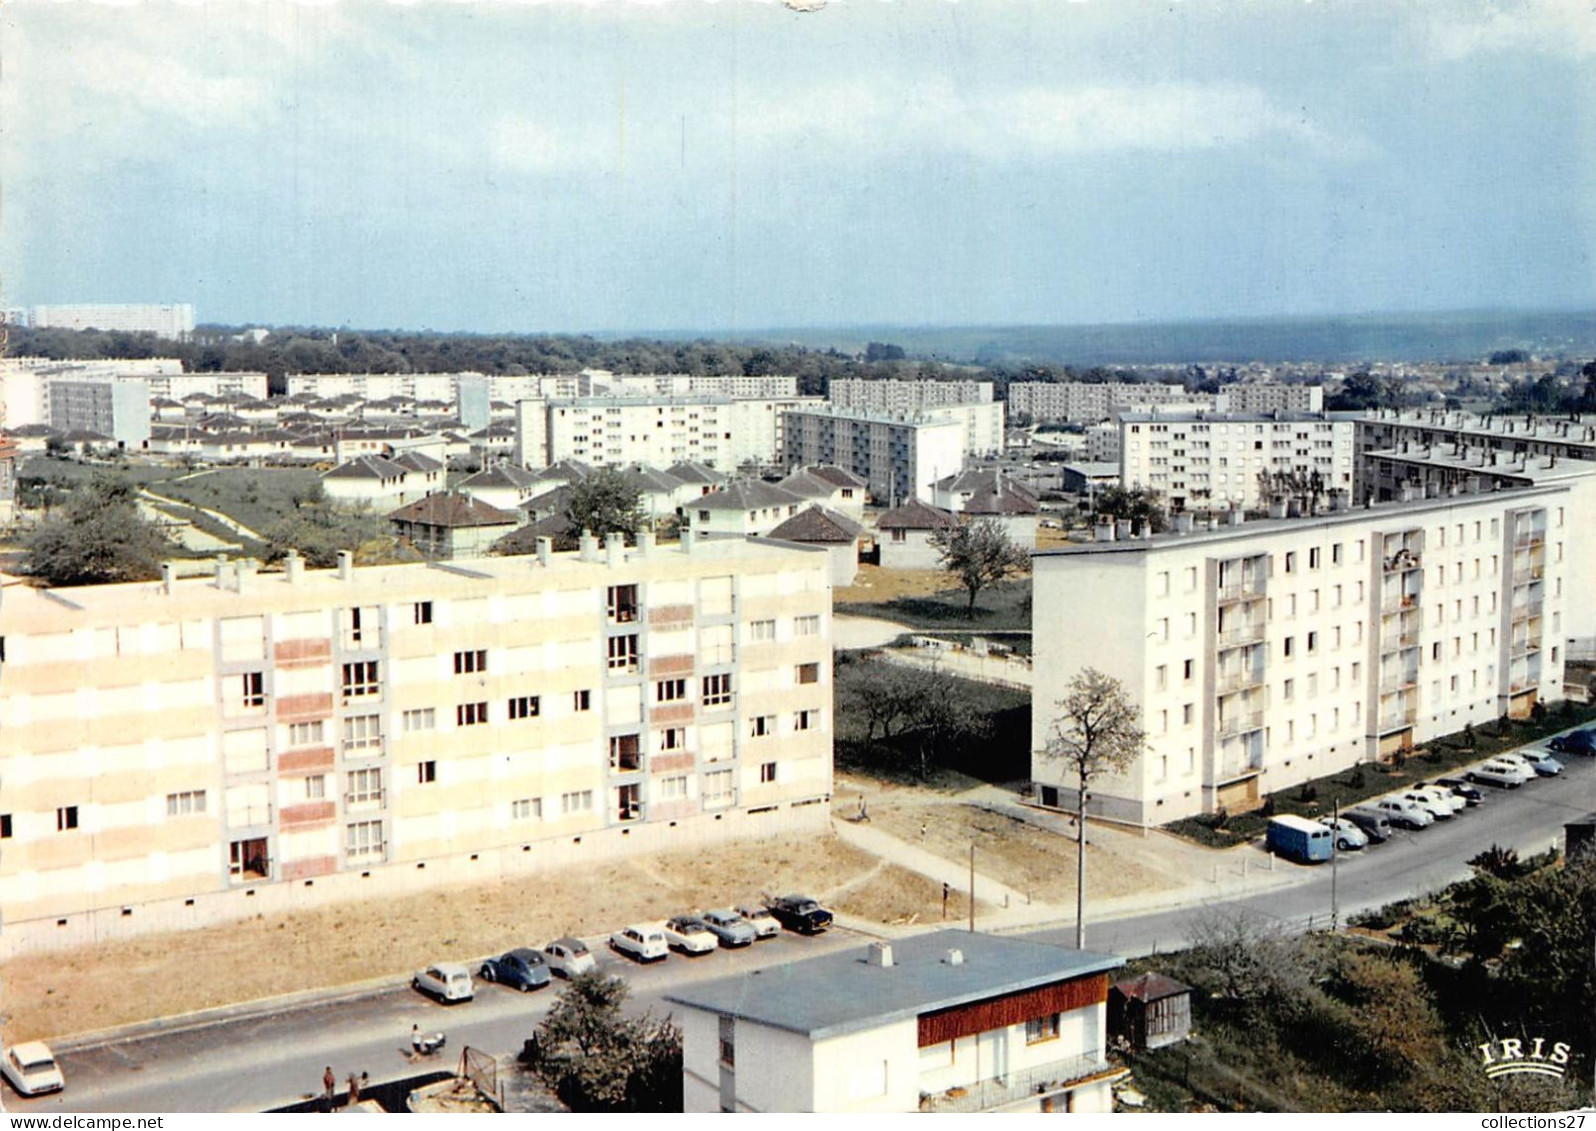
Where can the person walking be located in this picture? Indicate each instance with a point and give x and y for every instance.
(329, 1084)
(354, 1090)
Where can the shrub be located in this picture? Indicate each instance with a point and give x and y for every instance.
(1356, 780)
(1308, 792)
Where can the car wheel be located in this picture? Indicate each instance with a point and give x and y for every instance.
(486, 973)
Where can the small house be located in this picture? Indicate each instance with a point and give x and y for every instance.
(1149, 1011)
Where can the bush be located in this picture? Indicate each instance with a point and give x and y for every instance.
(1308, 792)
(1382, 918)
(1356, 780)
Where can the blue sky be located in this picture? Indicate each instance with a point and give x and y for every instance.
(738, 165)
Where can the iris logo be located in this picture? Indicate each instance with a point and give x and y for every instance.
(1508, 1057)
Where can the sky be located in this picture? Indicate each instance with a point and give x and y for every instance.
(726, 167)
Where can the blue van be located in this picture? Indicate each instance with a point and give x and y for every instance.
(1299, 839)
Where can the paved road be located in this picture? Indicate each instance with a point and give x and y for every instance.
(253, 1063)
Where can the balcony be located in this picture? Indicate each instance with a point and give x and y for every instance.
(1396, 641)
(1002, 1091)
(1393, 603)
(1525, 647)
(1529, 539)
(1239, 635)
(1230, 682)
(1240, 724)
(1398, 720)
(1404, 681)
(1403, 561)
(1244, 591)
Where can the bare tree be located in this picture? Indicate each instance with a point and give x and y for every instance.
(979, 554)
(1097, 731)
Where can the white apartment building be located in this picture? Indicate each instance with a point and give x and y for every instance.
(187, 751)
(612, 431)
(116, 407)
(899, 457)
(25, 381)
(893, 395)
(1084, 401)
(1512, 437)
(165, 320)
(1264, 654)
(1202, 461)
(736, 385)
(1268, 396)
(946, 1021)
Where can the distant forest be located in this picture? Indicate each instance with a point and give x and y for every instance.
(351, 351)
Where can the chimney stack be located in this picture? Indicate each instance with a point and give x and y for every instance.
(879, 954)
(687, 539)
(587, 546)
(293, 566)
(346, 565)
(614, 548)
(545, 550)
(645, 542)
(168, 575)
(221, 569)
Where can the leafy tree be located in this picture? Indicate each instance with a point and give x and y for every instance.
(1133, 504)
(97, 538)
(979, 554)
(922, 719)
(1097, 731)
(605, 502)
(599, 1060)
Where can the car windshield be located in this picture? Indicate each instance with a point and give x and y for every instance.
(40, 1065)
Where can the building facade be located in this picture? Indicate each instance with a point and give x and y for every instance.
(947, 1021)
(1203, 461)
(192, 750)
(899, 457)
(1268, 396)
(892, 395)
(174, 321)
(1264, 654)
(613, 431)
(117, 407)
(1087, 402)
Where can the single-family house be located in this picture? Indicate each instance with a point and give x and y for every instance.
(905, 535)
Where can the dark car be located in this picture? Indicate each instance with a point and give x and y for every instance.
(1575, 742)
(1470, 794)
(799, 913)
(521, 969)
(1374, 825)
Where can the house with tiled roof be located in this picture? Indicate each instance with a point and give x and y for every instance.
(988, 493)
(377, 482)
(906, 531)
(827, 530)
(502, 485)
(744, 507)
(451, 526)
(844, 496)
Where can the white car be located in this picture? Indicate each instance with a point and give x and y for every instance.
(1424, 799)
(643, 942)
(1542, 763)
(1452, 801)
(569, 957)
(449, 982)
(31, 1069)
(1405, 813)
(1349, 838)
(1502, 774)
(761, 920)
(690, 935)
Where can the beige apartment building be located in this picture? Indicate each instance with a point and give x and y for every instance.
(1269, 653)
(191, 750)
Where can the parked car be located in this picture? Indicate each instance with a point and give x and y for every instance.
(799, 913)
(765, 924)
(729, 927)
(1463, 789)
(1349, 838)
(569, 957)
(1453, 803)
(690, 935)
(643, 942)
(1503, 775)
(449, 982)
(1404, 813)
(521, 969)
(1297, 838)
(31, 1069)
(1372, 822)
(1542, 763)
(1575, 742)
(1424, 799)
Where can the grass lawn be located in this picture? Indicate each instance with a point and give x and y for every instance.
(1439, 759)
(254, 496)
(1006, 606)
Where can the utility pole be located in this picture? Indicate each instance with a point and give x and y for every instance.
(1335, 858)
(972, 887)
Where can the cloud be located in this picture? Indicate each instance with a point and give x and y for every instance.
(1562, 28)
(518, 144)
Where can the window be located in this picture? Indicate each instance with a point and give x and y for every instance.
(1291, 561)
(728, 1046)
(314, 787)
(524, 707)
(1161, 677)
(808, 673)
(806, 626)
(620, 604)
(1313, 558)
(717, 690)
(426, 772)
(761, 630)
(1313, 643)
(465, 663)
(717, 789)
(670, 690)
(1288, 690)
(423, 612)
(362, 732)
(185, 804)
(1039, 1029)
(1187, 669)
(582, 701)
(1335, 554)
(527, 809)
(363, 841)
(470, 714)
(254, 689)
(360, 678)
(578, 801)
(671, 789)
(626, 752)
(363, 787)
(1289, 646)
(1187, 713)
(421, 718)
(673, 738)
(5, 826)
(623, 653)
(306, 734)
(767, 771)
(805, 720)
(761, 726)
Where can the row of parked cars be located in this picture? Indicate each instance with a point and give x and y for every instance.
(529, 968)
(1419, 806)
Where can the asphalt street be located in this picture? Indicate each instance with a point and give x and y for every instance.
(251, 1062)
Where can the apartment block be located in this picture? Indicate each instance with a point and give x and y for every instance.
(165, 320)
(1202, 460)
(893, 395)
(190, 750)
(1509, 437)
(1264, 654)
(716, 430)
(900, 457)
(1087, 402)
(115, 407)
(1267, 396)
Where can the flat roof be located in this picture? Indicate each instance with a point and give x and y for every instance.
(840, 993)
(1535, 468)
